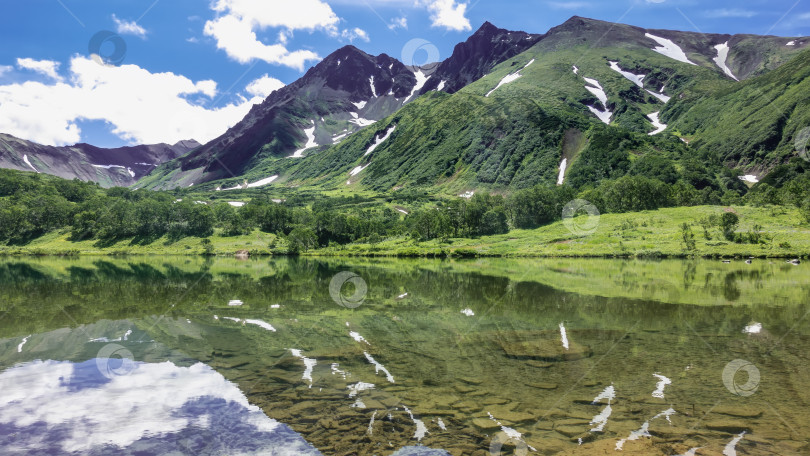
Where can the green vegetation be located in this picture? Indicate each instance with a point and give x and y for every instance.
(42, 214)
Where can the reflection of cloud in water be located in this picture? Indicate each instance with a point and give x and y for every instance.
(59, 407)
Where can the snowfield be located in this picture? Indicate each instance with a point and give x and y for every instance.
(310, 132)
(563, 165)
(28, 162)
(722, 57)
(358, 170)
(637, 79)
(510, 78)
(379, 141)
(421, 79)
(263, 182)
(595, 88)
(659, 127)
(669, 49)
(660, 96)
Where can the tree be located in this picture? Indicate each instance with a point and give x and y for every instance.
(805, 210)
(688, 237)
(301, 239)
(729, 223)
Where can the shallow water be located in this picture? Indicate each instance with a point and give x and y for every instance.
(156, 355)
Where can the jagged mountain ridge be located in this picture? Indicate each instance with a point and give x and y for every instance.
(666, 61)
(474, 58)
(345, 92)
(117, 167)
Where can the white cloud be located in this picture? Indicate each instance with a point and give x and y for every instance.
(264, 86)
(355, 34)
(128, 28)
(5, 69)
(571, 5)
(239, 20)
(141, 107)
(47, 67)
(398, 22)
(447, 14)
(726, 12)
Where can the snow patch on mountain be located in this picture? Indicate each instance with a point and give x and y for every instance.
(510, 78)
(596, 89)
(263, 182)
(310, 132)
(637, 79)
(362, 122)
(441, 86)
(28, 162)
(379, 141)
(722, 57)
(791, 43)
(358, 170)
(421, 79)
(660, 96)
(670, 49)
(563, 165)
(659, 127)
(360, 105)
(373, 90)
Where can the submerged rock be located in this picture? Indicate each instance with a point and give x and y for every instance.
(545, 349)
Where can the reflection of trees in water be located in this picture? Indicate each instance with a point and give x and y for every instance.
(689, 274)
(727, 285)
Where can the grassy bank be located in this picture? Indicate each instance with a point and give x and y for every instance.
(640, 234)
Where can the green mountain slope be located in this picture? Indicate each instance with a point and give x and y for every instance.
(590, 100)
(754, 124)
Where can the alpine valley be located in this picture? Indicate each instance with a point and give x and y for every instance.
(502, 136)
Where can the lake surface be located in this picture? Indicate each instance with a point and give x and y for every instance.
(176, 356)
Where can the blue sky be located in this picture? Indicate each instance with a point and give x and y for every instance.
(192, 68)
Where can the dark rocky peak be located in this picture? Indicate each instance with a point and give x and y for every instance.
(474, 58)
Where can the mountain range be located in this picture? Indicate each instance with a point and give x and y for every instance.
(119, 167)
(585, 101)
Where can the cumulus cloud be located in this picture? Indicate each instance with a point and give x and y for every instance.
(46, 67)
(355, 34)
(5, 69)
(398, 22)
(264, 86)
(141, 107)
(128, 28)
(238, 22)
(447, 14)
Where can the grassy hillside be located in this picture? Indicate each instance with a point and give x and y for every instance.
(752, 124)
